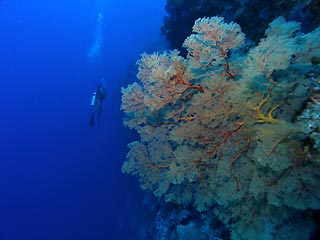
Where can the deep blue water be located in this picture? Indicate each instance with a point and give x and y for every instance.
(59, 178)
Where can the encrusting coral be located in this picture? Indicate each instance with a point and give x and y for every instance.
(220, 129)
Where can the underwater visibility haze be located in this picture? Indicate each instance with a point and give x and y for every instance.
(212, 106)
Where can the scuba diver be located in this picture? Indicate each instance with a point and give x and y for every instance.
(96, 103)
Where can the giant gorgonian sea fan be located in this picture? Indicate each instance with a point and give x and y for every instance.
(218, 128)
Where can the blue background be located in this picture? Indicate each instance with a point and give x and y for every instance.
(59, 178)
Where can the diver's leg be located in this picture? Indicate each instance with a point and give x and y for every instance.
(99, 114)
(91, 123)
(92, 117)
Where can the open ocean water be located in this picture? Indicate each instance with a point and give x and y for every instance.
(59, 177)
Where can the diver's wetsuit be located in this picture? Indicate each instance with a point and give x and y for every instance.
(97, 107)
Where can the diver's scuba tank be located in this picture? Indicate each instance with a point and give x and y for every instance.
(93, 99)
